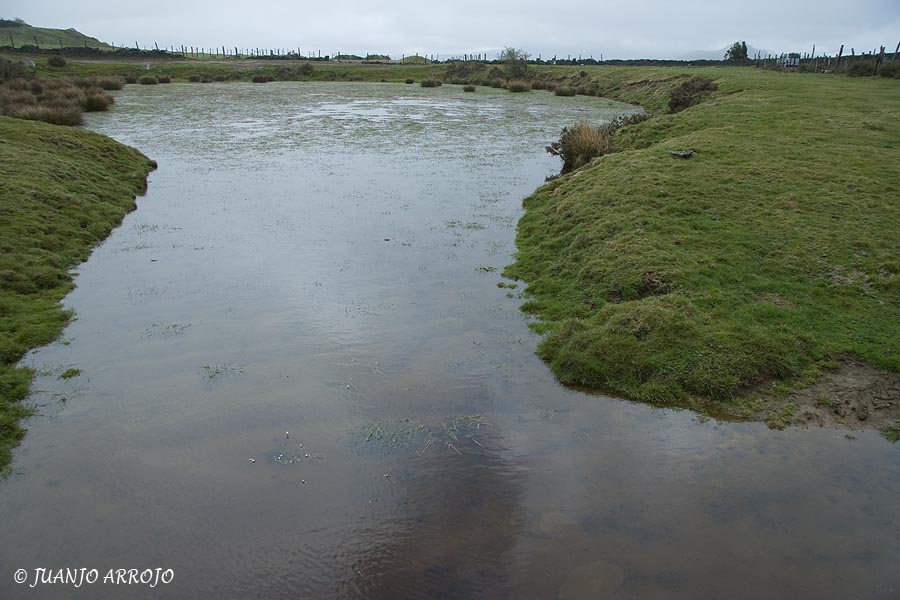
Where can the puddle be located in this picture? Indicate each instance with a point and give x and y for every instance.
(314, 270)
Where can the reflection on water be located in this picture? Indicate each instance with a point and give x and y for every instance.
(300, 379)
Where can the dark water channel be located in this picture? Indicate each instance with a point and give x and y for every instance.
(323, 260)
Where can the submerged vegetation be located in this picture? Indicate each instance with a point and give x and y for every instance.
(63, 191)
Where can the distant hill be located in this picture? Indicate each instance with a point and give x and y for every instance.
(18, 33)
(720, 54)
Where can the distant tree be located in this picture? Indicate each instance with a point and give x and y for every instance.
(515, 61)
(737, 52)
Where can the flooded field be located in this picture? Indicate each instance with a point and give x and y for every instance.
(299, 374)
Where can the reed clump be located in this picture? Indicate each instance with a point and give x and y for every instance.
(60, 101)
(582, 142)
(518, 85)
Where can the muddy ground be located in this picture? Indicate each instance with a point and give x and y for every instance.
(854, 396)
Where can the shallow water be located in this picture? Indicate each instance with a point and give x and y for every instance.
(323, 259)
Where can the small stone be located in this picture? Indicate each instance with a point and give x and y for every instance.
(253, 460)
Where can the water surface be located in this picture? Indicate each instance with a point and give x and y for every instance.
(300, 379)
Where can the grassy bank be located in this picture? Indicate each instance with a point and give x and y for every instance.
(769, 256)
(63, 190)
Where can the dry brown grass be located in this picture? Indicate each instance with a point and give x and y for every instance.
(518, 85)
(60, 101)
(583, 142)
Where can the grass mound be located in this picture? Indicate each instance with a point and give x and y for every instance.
(772, 251)
(63, 191)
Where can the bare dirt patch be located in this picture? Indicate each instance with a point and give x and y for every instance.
(853, 396)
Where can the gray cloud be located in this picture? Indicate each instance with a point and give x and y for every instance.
(639, 28)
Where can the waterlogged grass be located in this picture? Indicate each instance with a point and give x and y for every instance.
(62, 191)
(771, 252)
(455, 434)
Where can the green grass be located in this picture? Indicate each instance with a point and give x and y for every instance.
(25, 35)
(63, 190)
(235, 70)
(773, 250)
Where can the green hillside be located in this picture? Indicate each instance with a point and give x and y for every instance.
(17, 33)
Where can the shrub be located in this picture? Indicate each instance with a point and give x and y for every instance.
(468, 88)
(220, 78)
(260, 79)
(860, 69)
(131, 79)
(56, 114)
(692, 91)
(581, 143)
(12, 98)
(564, 91)
(496, 83)
(109, 83)
(11, 70)
(55, 100)
(194, 78)
(148, 80)
(95, 101)
(56, 61)
(20, 85)
(518, 86)
(430, 83)
(164, 79)
(463, 71)
(891, 69)
(537, 84)
(410, 81)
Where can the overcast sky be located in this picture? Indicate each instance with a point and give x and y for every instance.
(630, 29)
